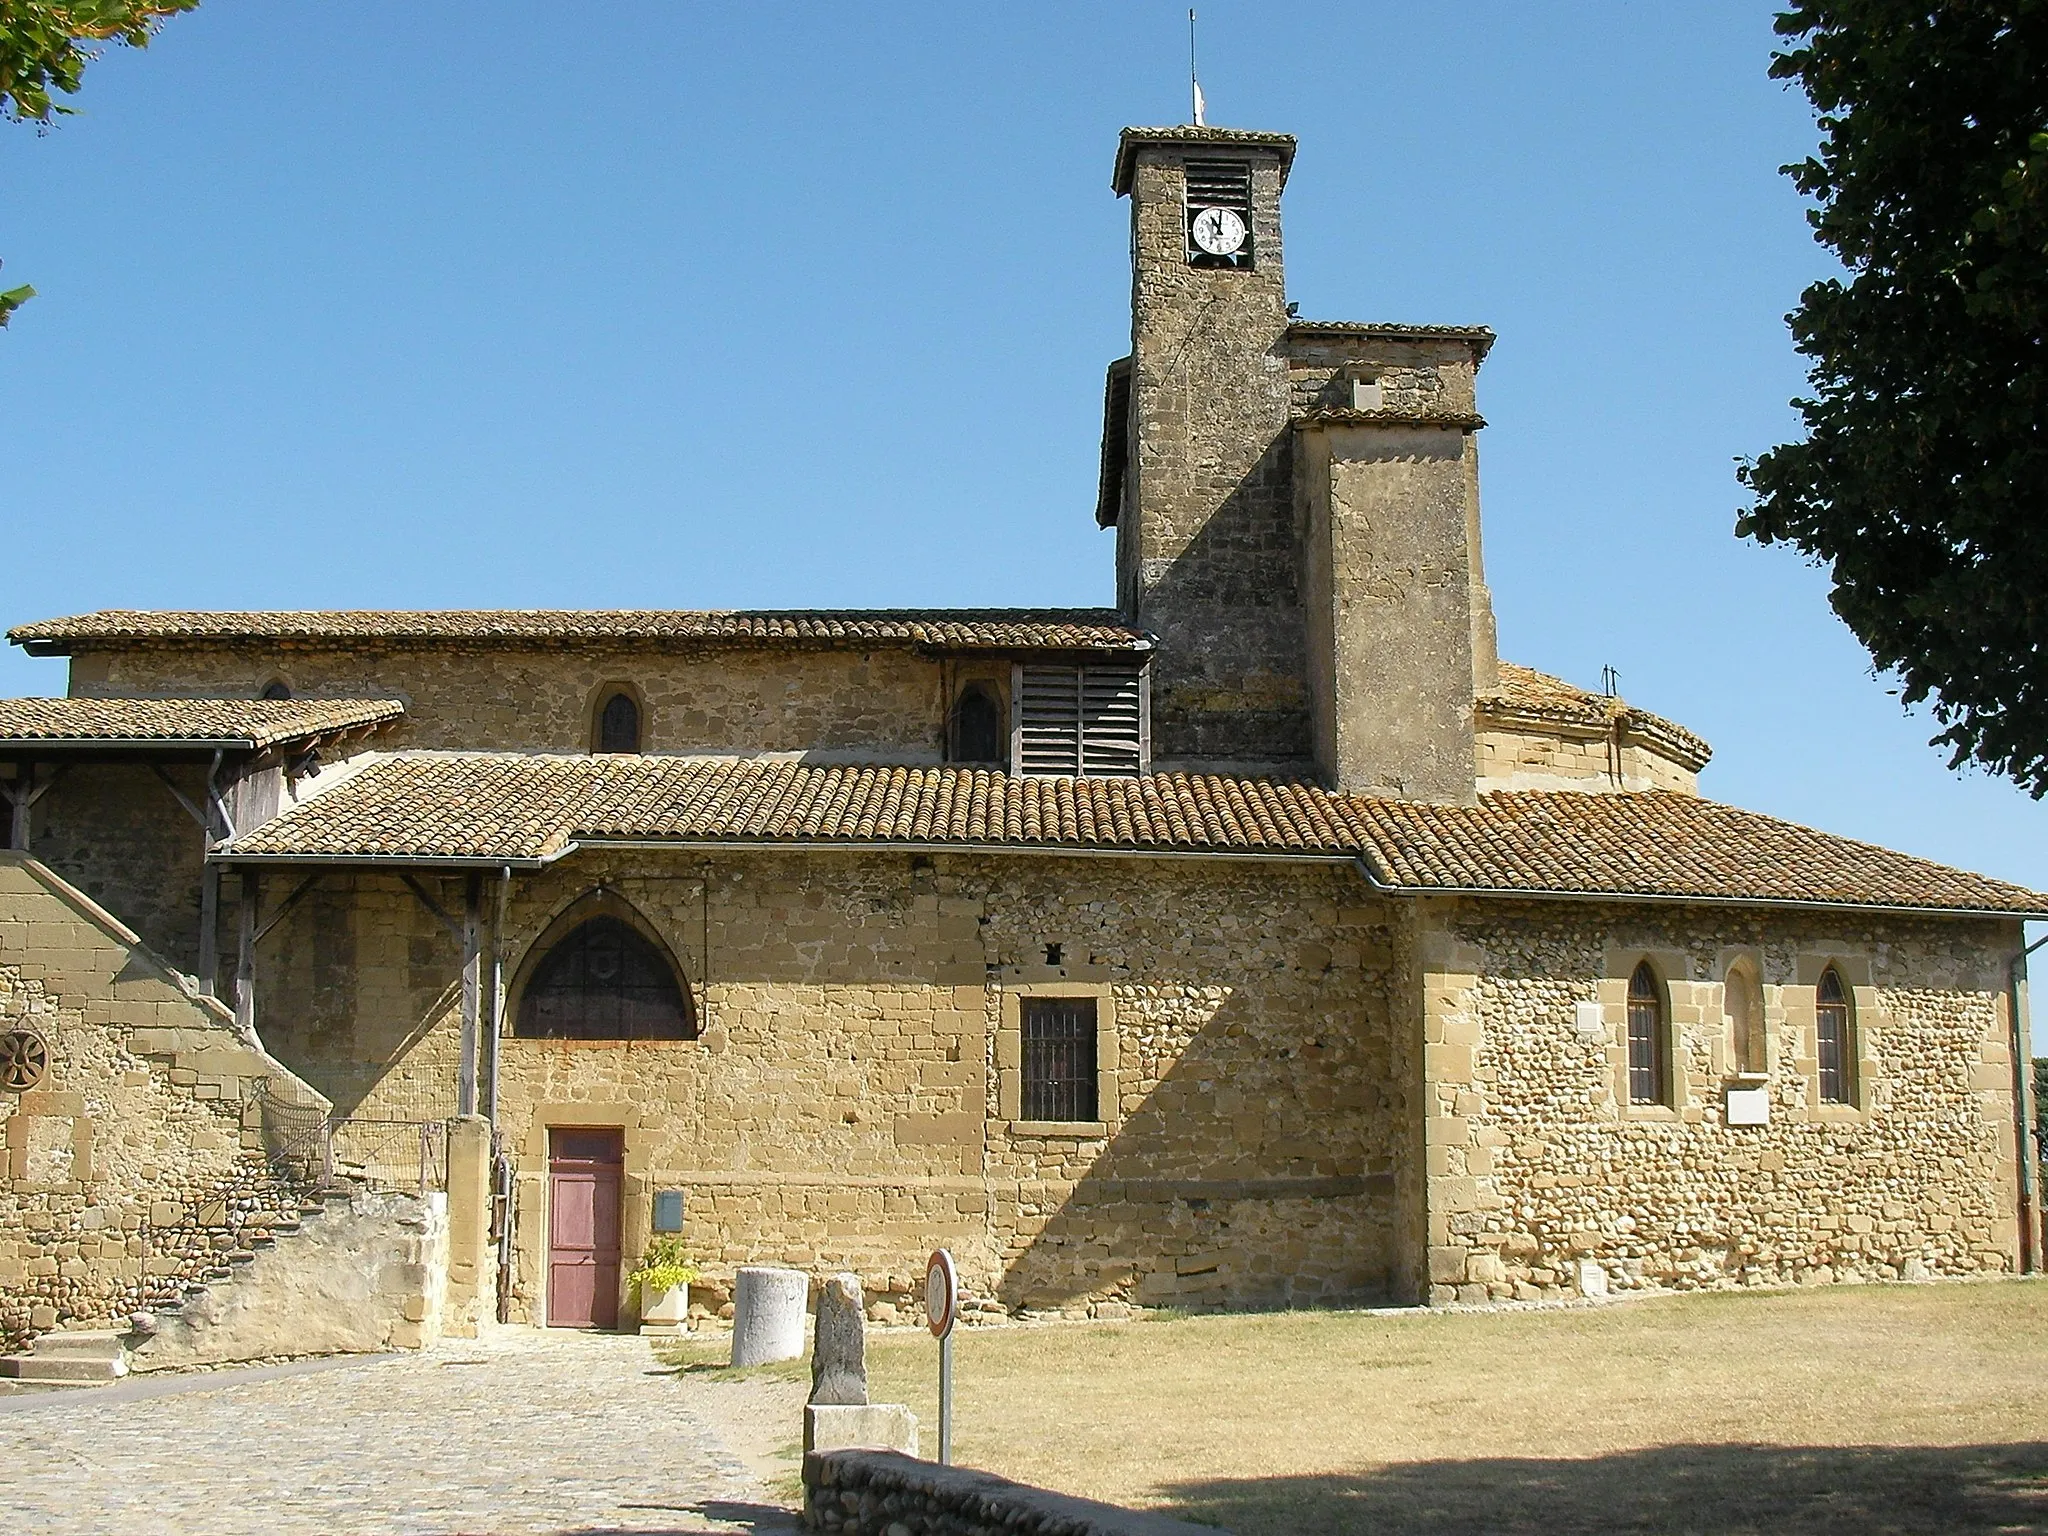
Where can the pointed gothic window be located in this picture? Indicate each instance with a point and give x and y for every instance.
(1649, 1066)
(605, 980)
(618, 723)
(1831, 1032)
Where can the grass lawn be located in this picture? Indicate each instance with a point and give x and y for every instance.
(1897, 1408)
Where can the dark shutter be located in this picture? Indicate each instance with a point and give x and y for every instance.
(618, 727)
(1083, 722)
(1059, 1059)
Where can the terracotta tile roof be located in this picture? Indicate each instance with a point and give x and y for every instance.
(1390, 415)
(1481, 337)
(246, 723)
(499, 807)
(1186, 133)
(1523, 695)
(945, 629)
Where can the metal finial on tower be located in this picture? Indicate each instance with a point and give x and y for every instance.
(1194, 79)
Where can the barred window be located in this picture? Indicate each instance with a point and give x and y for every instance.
(1831, 1030)
(1649, 1066)
(1059, 1059)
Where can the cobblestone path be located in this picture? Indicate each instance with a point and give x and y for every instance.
(524, 1432)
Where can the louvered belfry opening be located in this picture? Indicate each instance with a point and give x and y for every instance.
(1081, 721)
(1219, 184)
(1059, 1058)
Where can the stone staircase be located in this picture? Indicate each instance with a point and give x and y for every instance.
(70, 1357)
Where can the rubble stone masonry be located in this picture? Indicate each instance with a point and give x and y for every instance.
(1536, 1160)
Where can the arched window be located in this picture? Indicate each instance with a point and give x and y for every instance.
(1743, 1002)
(618, 723)
(1649, 1065)
(1831, 1037)
(978, 734)
(605, 980)
(276, 688)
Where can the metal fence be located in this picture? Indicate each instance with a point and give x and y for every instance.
(362, 1151)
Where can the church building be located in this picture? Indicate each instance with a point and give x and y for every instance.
(1265, 939)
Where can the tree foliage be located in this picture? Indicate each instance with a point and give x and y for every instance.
(1923, 477)
(46, 44)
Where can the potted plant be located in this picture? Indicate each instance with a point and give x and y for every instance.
(663, 1276)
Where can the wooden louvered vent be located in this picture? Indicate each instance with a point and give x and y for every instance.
(1087, 722)
(1219, 184)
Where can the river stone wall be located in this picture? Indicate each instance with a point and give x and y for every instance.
(1537, 1161)
(882, 1493)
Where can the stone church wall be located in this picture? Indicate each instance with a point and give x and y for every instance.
(744, 701)
(1536, 1160)
(845, 1105)
(1509, 758)
(141, 1160)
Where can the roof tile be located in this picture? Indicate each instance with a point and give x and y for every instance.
(250, 723)
(419, 806)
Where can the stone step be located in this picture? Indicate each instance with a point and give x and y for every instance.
(242, 1256)
(77, 1370)
(80, 1343)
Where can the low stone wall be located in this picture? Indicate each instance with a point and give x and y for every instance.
(881, 1493)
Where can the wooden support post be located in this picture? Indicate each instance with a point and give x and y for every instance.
(496, 1023)
(472, 991)
(24, 802)
(209, 928)
(245, 954)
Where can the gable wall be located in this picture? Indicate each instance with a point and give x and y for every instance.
(886, 702)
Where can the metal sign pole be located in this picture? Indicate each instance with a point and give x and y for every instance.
(941, 1311)
(946, 1400)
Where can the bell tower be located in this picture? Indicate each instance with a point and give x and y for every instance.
(1196, 474)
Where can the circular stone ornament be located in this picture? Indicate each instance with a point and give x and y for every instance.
(24, 1060)
(941, 1294)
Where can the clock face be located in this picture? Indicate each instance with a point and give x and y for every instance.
(1218, 231)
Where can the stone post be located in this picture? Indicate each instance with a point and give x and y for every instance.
(472, 1273)
(768, 1314)
(839, 1360)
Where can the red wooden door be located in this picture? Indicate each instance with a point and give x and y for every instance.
(583, 1228)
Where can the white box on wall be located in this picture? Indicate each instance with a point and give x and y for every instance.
(1748, 1106)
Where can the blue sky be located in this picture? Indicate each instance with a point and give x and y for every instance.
(383, 304)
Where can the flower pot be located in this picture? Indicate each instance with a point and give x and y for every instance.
(664, 1311)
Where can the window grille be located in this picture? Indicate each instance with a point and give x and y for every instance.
(1831, 1029)
(1059, 1058)
(605, 981)
(1085, 722)
(1648, 1066)
(1219, 184)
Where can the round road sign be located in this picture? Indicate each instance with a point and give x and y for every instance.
(941, 1294)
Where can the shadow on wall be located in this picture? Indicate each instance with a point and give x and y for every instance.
(1714, 1490)
(1256, 1169)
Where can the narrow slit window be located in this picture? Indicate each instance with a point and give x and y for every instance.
(1649, 1067)
(1059, 1059)
(618, 724)
(978, 725)
(1831, 1032)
